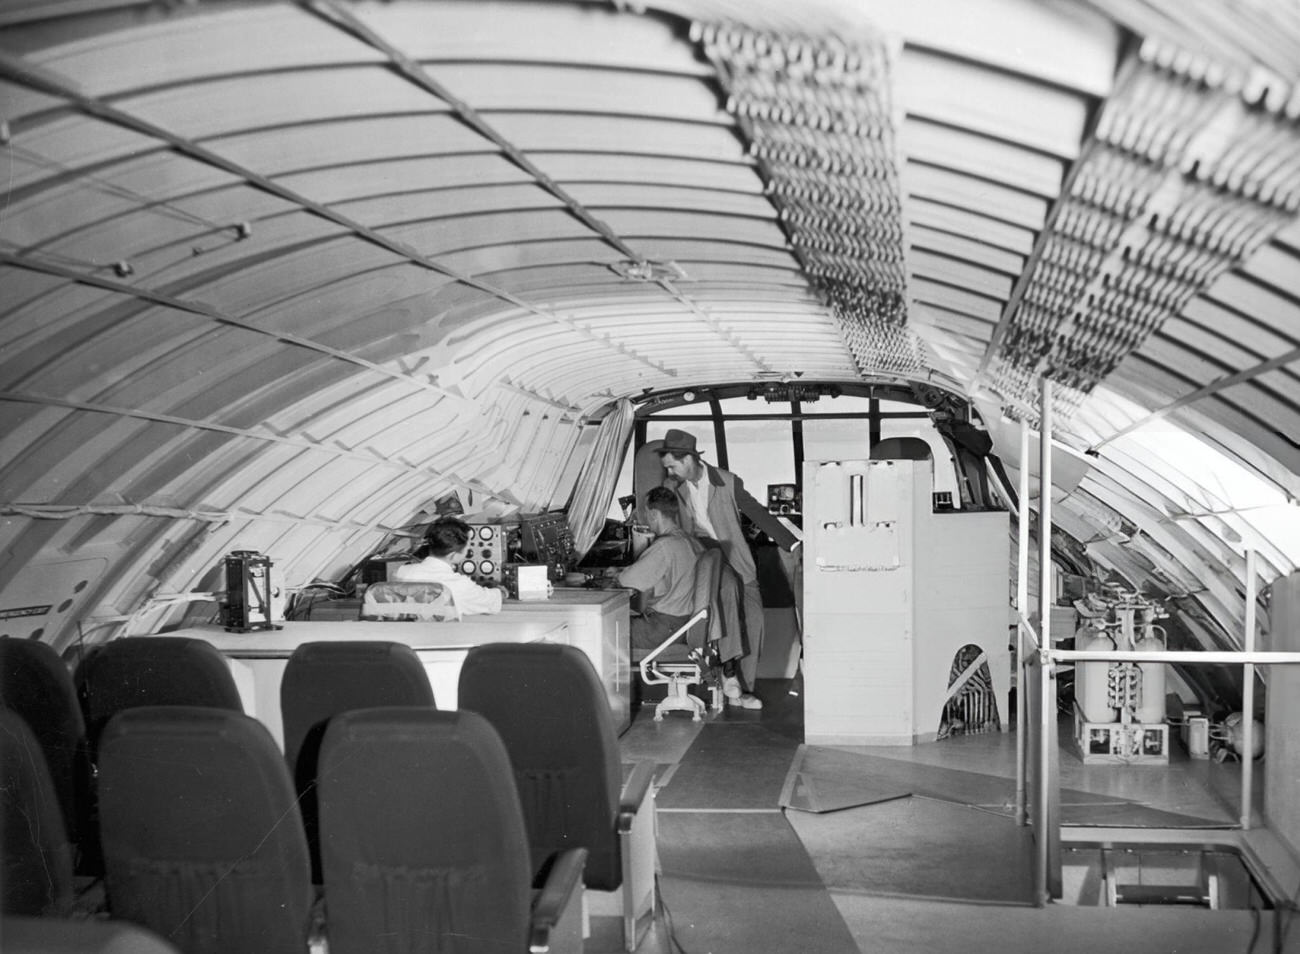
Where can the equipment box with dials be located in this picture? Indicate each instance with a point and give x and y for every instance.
(489, 546)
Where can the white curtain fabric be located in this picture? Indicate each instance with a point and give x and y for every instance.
(594, 489)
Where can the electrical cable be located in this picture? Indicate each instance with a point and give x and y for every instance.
(673, 943)
(1281, 930)
(308, 595)
(160, 206)
(81, 651)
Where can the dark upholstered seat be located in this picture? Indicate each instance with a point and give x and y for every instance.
(901, 448)
(152, 671)
(323, 679)
(35, 856)
(28, 935)
(144, 671)
(36, 684)
(423, 842)
(201, 834)
(550, 708)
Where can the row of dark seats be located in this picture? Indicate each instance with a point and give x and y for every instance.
(29, 935)
(67, 710)
(388, 788)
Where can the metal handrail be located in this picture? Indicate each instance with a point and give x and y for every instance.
(1193, 656)
(1035, 647)
(1036, 644)
(1247, 658)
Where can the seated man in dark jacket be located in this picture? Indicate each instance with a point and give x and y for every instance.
(664, 573)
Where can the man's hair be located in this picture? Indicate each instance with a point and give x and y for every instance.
(446, 536)
(665, 501)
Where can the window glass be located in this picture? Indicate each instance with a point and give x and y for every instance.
(836, 439)
(1218, 490)
(703, 431)
(624, 485)
(702, 411)
(760, 453)
(900, 407)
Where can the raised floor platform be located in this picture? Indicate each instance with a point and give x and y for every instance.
(939, 868)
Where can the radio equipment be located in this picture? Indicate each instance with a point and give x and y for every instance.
(376, 570)
(527, 582)
(253, 602)
(486, 558)
(784, 500)
(546, 538)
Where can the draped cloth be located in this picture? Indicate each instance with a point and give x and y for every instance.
(594, 489)
(409, 601)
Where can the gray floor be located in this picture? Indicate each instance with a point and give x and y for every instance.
(915, 874)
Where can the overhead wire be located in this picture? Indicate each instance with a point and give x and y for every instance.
(18, 70)
(96, 183)
(413, 71)
(72, 511)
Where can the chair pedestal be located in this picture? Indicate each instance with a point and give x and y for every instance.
(681, 676)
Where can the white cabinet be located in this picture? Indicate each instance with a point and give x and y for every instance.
(964, 586)
(892, 591)
(857, 602)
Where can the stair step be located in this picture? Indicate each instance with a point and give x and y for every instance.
(1162, 894)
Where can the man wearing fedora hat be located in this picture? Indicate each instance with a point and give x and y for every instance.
(712, 501)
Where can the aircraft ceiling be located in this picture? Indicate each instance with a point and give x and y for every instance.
(273, 276)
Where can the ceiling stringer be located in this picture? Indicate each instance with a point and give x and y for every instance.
(818, 116)
(345, 20)
(1187, 174)
(18, 71)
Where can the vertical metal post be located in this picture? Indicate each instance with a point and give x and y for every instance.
(1022, 607)
(1047, 710)
(1248, 699)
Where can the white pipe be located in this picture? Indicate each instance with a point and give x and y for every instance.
(1047, 705)
(1194, 657)
(1248, 698)
(1022, 608)
(1027, 629)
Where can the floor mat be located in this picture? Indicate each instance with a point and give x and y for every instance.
(731, 765)
(813, 787)
(844, 769)
(743, 883)
(825, 779)
(920, 848)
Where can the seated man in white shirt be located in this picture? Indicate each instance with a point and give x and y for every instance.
(446, 544)
(664, 573)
